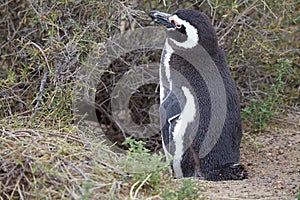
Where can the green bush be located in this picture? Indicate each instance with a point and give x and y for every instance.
(262, 108)
(143, 165)
(189, 189)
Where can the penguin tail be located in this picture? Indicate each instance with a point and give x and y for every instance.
(228, 172)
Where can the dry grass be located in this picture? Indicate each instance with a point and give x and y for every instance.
(39, 164)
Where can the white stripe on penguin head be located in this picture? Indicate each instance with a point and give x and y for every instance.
(191, 31)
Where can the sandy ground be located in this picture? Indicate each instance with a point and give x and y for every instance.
(273, 163)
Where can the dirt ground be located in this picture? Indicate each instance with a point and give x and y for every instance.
(273, 163)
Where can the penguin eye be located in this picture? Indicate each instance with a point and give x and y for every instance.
(178, 26)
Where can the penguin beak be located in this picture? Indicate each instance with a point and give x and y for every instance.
(162, 18)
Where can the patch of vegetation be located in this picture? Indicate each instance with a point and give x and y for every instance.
(188, 189)
(260, 110)
(145, 168)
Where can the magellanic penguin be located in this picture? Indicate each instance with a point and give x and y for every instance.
(199, 106)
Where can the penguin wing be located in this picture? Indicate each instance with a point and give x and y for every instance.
(170, 111)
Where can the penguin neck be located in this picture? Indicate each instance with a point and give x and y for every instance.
(215, 53)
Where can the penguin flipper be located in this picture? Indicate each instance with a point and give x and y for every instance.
(170, 111)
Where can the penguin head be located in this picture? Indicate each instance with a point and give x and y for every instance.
(188, 28)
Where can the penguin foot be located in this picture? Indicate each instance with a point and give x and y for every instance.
(228, 172)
